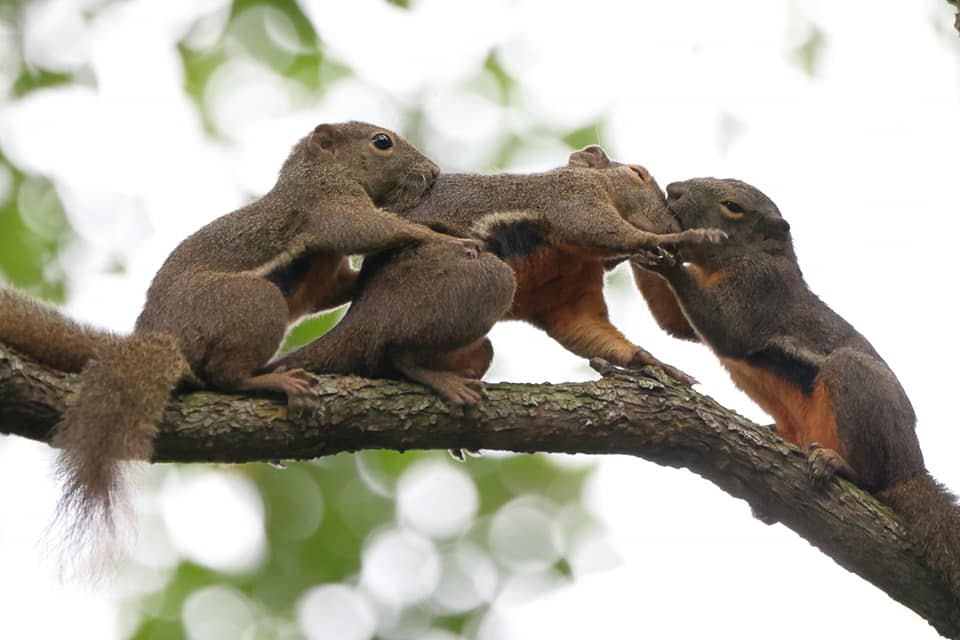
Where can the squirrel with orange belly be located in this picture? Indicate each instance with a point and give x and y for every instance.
(559, 231)
(824, 384)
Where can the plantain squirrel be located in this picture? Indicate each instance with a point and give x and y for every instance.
(217, 309)
(824, 384)
(559, 230)
(435, 336)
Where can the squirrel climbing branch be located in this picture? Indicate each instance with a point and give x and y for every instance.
(623, 413)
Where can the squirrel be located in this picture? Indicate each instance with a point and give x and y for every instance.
(559, 231)
(823, 383)
(218, 308)
(450, 303)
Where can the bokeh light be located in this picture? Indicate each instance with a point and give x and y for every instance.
(400, 567)
(436, 499)
(229, 538)
(335, 612)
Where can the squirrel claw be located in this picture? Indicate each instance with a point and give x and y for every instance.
(699, 237)
(462, 391)
(653, 259)
(602, 366)
(642, 358)
(822, 464)
(297, 384)
(471, 246)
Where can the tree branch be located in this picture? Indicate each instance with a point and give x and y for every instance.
(651, 418)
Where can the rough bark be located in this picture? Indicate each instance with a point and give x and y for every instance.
(623, 413)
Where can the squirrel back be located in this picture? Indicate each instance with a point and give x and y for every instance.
(479, 204)
(824, 384)
(560, 231)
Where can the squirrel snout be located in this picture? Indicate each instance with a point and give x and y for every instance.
(641, 173)
(675, 191)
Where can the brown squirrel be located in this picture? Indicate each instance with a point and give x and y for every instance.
(559, 230)
(822, 382)
(219, 306)
(449, 304)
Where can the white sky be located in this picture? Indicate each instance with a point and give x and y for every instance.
(861, 160)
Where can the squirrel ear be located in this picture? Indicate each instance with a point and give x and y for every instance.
(325, 139)
(592, 157)
(776, 228)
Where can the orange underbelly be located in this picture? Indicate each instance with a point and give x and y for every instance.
(801, 418)
(318, 280)
(551, 278)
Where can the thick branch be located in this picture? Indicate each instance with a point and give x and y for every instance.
(626, 414)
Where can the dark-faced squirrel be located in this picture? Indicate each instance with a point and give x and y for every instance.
(824, 384)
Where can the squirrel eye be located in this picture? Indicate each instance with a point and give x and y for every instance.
(732, 206)
(382, 141)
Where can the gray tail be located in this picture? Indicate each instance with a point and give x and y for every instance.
(45, 334)
(932, 514)
(111, 420)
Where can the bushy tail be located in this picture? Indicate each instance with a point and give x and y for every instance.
(933, 516)
(45, 334)
(111, 420)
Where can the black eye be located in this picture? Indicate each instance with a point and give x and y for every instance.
(732, 206)
(382, 141)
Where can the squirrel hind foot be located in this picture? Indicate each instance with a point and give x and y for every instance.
(296, 384)
(461, 392)
(454, 388)
(643, 358)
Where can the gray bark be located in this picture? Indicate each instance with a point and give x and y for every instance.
(623, 413)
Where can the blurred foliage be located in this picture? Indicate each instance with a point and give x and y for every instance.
(301, 557)
(32, 231)
(810, 44)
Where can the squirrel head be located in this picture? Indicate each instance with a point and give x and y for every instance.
(635, 193)
(750, 219)
(389, 168)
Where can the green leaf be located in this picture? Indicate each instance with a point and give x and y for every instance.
(809, 53)
(583, 136)
(29, 81)
(504, 80)
(311, 328)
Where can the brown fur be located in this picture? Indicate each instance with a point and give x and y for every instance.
(218, 308)
(801, 418)
(42, 332)
(329, 282)
(559, 230)
(822, 381)
(420, 313)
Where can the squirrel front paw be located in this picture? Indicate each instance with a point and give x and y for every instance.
(654, 258)
(822, 464)
(471, 246)
(698, 237)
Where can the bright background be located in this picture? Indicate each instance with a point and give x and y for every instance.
(124, 126)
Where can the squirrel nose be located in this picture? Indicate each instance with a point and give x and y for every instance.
(641, 172)
(434, 170)
(675, 191)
